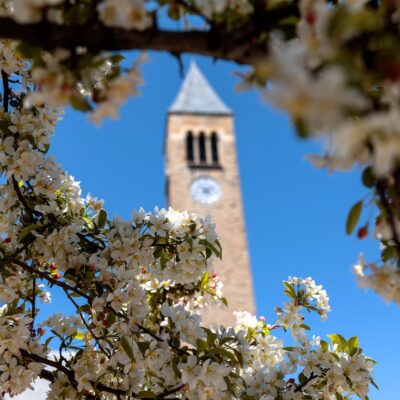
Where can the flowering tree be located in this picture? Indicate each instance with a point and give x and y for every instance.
(138, 286)
(332, 65)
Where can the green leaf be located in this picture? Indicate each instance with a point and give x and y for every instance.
(353, 217)
(324, 345)
(224, 301)
(302, 379)
(79, 103)
(127, 347)
(201, 345)
(174, 12)
(27, 51)
(163, 259)
(175, 367)
(301, 128)
(225, 353)
(146, 395)
(389, 253)
(290, 289)
(204, 280)
(26, 231)
(353, 344)
(215, 250)
(339, 340)
(117, 58)
(339, 396)
(4, 126)
(48, 340)
(79, 335)
(368, 177)
(102, 218)
(143, 347)
(211, 336)
(374, 384)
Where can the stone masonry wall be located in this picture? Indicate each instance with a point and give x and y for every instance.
(227, 212)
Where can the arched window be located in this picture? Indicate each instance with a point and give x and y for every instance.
(189, 147)
(202, 147)
(214, 148)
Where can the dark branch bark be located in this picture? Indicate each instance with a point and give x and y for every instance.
(6, 90)
(300, 387)
(48, 375)
(98, 37)
(43, 275)
(22, 200)
(230, 46)
(381, 187)
(97, 339)
(220, 43)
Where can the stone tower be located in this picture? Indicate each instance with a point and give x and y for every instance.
(202, 177)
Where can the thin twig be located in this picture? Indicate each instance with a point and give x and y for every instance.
(159, 339)
(54, 364)
(171, 391)
(381, 190)
(6, 88)
(43, 275)
(300, 387)
(33, 306)
(22, 199)
(97, 340)
(71, 376)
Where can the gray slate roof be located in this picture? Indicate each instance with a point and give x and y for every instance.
(196, 96)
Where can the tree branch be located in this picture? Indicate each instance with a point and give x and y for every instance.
(70, 374)
(54, 364)
(43, 275)
(6, 90)
(381, 187)
(48, 375)
(97, 339)
(33, 306)
(22, 199)
(220, 43)
(300, 387)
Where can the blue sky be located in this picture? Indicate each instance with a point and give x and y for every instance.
(295, 215)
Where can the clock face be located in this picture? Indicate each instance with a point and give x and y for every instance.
(205, 190)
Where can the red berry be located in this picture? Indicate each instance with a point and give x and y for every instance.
(53, 267)
(362, 232)
(391, 68)
(311, 17)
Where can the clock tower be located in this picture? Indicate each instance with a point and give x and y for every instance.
(202, 177)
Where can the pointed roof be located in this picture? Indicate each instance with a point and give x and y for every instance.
(196, 96)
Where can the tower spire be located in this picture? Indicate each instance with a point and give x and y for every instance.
(196, 96)
(203, 177)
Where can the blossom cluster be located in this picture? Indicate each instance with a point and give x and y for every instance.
(384, 280)
(332, 67)
(137, 288)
